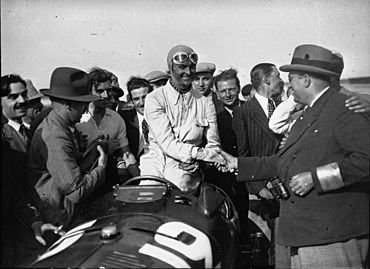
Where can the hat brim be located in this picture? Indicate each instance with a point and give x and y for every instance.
(307, 68)
(37, 96)
(118, 90)
(158, 79)
(83, 98)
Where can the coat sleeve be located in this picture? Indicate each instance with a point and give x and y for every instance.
(252, 169)
(352, 135)
(65, 171)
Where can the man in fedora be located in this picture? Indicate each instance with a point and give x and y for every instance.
(325, 168)
(179, 118)
(54, 156)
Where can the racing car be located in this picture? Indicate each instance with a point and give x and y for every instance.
(152, 226)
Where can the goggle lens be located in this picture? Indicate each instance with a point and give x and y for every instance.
(181, 57)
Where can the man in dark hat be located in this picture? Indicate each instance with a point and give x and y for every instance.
(54, 156)
(248, 92)
(324, 220)
(178, 119)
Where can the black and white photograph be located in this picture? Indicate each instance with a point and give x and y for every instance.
(185, 133)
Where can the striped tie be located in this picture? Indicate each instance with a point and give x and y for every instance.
(271, 107)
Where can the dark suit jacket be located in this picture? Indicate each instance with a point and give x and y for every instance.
(132, 130)
(227, 181)
(254, 137)
(337, 209)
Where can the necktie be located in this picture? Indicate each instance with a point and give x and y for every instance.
(145, 129)
(271, 107)
(24, 132)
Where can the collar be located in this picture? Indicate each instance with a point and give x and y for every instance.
(175, 96)
(140, 118)
(179, 90)
(14, 124)
(318, 96)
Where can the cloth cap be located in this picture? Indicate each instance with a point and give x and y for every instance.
(178, 48)
(156, 75)
(70, 84)
(32, 93)
(246, 90)
(312, 59)
(205, 68)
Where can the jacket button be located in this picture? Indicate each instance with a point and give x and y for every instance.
(292, 201)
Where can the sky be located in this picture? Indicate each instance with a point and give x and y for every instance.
(133, 37)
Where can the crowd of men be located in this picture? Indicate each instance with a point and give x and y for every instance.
(294, 161)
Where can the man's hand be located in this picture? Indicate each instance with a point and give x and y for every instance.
(265, 193)
(129, 158)
(231, 162)
(302, 183)
(358, 104)
(39, 228)
(103, 158)
(283, 141)
(209, 155)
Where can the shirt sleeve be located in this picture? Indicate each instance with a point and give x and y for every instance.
(65, 171)
(280, 120)
(161, 129)
(211, 132)
(122, 131)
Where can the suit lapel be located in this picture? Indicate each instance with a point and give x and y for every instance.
(259, 117)
(306, 120)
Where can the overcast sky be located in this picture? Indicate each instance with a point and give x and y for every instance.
(133, 37)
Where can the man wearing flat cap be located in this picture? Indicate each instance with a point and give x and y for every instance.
(179, 118)
(157, 78)
(54, 156)
(203, 78)
(325, 168)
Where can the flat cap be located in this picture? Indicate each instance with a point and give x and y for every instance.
(205, 68)
(156, 75)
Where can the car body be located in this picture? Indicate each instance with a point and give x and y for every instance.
(152, 226)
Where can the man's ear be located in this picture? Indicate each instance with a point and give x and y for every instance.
(267, 80)
(306, 80)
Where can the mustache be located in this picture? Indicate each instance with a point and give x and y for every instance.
(22, 105)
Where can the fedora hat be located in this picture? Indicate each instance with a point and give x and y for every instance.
(69, 83)
(32, 93)
(312, 59)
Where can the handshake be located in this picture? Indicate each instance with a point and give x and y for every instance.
(223, 161)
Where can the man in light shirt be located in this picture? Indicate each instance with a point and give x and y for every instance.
(179, 118)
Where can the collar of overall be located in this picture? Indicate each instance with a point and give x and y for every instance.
(181, 91)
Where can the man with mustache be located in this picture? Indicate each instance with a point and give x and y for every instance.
(179, 118)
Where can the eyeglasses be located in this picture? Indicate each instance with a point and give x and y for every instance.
(181, 57)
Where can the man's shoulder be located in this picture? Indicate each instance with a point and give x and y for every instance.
(127, 114)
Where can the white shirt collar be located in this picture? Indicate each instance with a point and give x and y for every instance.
(263, 101)
(318, 96)
(14, 124)
(140, 118)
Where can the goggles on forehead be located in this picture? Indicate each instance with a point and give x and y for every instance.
(181, 57)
